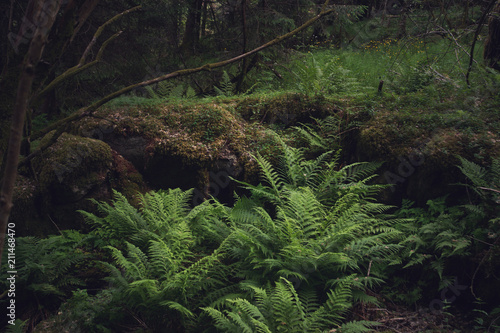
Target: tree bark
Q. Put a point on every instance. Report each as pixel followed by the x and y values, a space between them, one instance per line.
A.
pixel 476 34
pixel 43 17
pixel 244 66
pixel 192 30
pixel 491 53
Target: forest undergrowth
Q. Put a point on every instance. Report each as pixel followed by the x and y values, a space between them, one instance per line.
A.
pixel 308 249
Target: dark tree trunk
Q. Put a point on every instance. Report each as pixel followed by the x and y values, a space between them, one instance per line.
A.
pixel 492 45
pixel 192 28
pixel 43 15
pixel 244 66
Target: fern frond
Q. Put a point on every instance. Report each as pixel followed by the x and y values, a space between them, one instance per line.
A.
pixel 226 87
pixel 359 326
pixel 182 310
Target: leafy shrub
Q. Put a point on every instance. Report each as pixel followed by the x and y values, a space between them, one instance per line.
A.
pixel 438 234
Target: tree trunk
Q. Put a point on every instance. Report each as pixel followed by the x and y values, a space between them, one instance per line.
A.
pixel 244 66
pixel 492 45
pixel 204 17
pixel 43 16
pixel 192 28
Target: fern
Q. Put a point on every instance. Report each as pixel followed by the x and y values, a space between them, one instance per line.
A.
pixel 311 77
pixel 486 183
pixel 358 326
pixel 121 220
pixel 308 227
pixel 325 134
pixel 168 90
pixel 18 327
pixel 226 87
pixel 281 309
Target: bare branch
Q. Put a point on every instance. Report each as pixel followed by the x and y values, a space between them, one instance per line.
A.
pixel 101 29
pixel 80 67
pixel 70 72
pixel 183 72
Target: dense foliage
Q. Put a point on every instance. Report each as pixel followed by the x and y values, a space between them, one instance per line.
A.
pixel 313 246
pixel 293 255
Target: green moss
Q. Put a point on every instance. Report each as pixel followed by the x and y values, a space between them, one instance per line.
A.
pixel 386 127
pixel 71 158
pixel 287 108
pixel 198 133
pixel 398 128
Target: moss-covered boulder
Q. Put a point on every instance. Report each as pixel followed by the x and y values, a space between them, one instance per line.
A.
pixel 72 167
pixel 199 145
pixel 420 149
pixel 287 109
pixel 68 173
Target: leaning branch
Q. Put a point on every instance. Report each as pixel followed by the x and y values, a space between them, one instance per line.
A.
pixel 70 72
pixel 101 29
pixel 183 72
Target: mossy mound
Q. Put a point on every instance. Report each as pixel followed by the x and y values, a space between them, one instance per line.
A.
pixel 285 109
pixel 68 172
pixel 71 167
pixel 421 147
pixel 179 145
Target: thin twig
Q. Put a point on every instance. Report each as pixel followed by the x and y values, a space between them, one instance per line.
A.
pixel 488 189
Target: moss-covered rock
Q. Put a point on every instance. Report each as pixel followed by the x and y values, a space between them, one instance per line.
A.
pixel 421 149
pixel 174 145
pixel 202 144
pixel 72 167
pixel 285 109
pixel 68 173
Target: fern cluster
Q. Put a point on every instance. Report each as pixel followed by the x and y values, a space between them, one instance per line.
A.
pixel 310 230
pixel 292 255
pixel 312 77
pixel 47 271
pixel 168 90
pixel 283 309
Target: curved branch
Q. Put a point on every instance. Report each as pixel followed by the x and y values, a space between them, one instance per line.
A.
pixel 70 72
pixel 208 67
pixel 101 29
pixel 80 67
